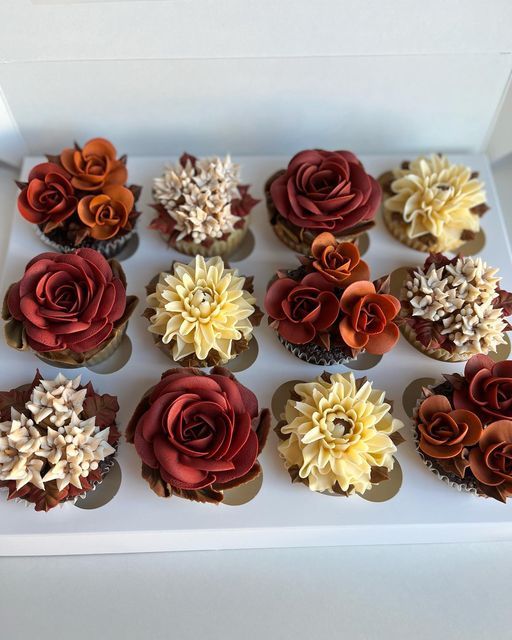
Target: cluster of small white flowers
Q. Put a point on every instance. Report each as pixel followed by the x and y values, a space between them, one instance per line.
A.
pixel 198 197
pixel 460 297
pixel 72 449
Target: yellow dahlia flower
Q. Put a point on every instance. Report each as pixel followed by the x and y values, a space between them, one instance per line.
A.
pixel 339 429
pixel 435 196
pixel 201 307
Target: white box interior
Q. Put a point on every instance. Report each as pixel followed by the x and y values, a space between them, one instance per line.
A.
pixel 281 514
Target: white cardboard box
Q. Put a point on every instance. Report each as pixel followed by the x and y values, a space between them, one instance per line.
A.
pixel 281 514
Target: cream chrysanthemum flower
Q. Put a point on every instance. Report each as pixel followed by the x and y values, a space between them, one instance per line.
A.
pixel 435 197
pixel 201 307
pixel 338 431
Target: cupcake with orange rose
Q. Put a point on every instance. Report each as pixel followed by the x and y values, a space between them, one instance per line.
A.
pixel 321 191
pixel 80 199
pixel 69 308
pixel 463 428
pixel 328 311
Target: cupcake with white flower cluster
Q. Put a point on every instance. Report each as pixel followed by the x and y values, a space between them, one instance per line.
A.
pixel 338 434
pixel 202 207
pixel 58 439
pixel 453 309
pixel 432 204
pixel 202 314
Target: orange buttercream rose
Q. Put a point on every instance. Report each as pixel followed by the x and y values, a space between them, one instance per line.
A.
pixel 108 212
pixel 94 166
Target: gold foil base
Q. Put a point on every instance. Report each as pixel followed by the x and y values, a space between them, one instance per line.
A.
pixel 399 231
pixel 217 248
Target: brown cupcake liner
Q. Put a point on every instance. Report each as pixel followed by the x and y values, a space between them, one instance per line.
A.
pixel 107 248
pixel 217 247
pixel 315 354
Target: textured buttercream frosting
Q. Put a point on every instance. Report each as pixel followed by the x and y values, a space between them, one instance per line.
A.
pixel 201 307
pixel 436 197
pixel 198 196
pixel 460 298
pixel 68 450
pixel 338 430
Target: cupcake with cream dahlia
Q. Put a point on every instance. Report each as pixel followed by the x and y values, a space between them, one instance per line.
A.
pixel 202 207
pixel 454 308
pixel 203 313
pixel 328 311
pixel 58 439
pixel 80 199
pixel 433 205
pixel 321 191
pixel 70 308
pixel 463 428
pixel 338 435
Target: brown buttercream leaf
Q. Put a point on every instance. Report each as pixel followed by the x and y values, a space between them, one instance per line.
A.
pixel 480 209
pixel 396 438
pixel 206 495
pixel 15 335
pixel 467 235
pixel 379 474
pixel 153 478
pixel 254 472
pixel 326 377
pixel 382 285
pixel 117 270
pixel 103 407
pixel 53 159
pixel 325 340
pixel 263 428
pixel 149 312
pixel 278 432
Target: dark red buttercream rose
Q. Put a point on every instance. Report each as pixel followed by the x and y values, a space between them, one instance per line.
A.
pixel 67 301
pixel 491 460
pixel 48 197
pixel 486 388
pixel 326 191
pixel 301 310
pixel 196 431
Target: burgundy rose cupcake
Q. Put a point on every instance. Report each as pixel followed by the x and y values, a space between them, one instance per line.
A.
pixel 463 428
pixel 328 311
pixel 79 199
pixel 70 308
pixel 58 440
pixel 198 434
pixel 321 191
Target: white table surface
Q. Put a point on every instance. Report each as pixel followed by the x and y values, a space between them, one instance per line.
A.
pixel 354 593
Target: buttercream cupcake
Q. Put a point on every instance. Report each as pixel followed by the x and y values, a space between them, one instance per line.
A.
pixel 321 191
pixel 463 428
pixel 79 199
pixel 202 313
pixel 328 311
pixel 70 308
pixel 198 434
pixel 58 439
pixel 454 308
pixel 433 205
pixel 338 435
pixel 202 207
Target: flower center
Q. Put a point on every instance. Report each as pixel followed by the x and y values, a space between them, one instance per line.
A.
pixel 341 426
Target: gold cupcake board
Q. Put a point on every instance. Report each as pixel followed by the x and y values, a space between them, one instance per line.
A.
pixel 123 515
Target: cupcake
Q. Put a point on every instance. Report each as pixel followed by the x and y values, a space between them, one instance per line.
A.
pixel 321 191
pixel 338 435
pixel 79 199
pixel 454 308
pixel 202 207
pixel 328 311
pixel 202 314
pixel 433 205
pixel 70 308
pixel 463 428
pixel 198 434
pixel 58 439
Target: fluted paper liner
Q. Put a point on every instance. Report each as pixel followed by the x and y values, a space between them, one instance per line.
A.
pixel 217 247
pixel 107 248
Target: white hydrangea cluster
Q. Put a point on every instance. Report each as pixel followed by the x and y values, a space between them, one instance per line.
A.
pixel 460 297
pixel 198 196
pixel 67 452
